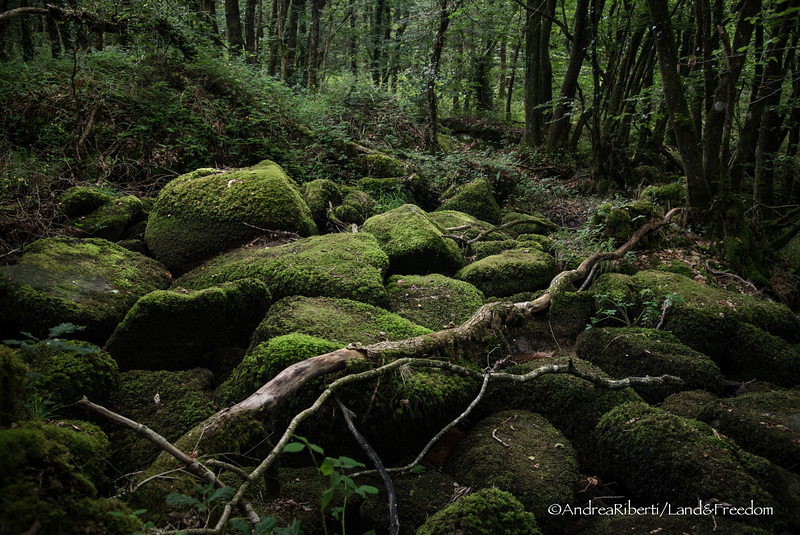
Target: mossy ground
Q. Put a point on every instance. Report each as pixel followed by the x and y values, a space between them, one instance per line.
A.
pixel 205 212
pixel 349 266
pixel 89 282
pixel 413 242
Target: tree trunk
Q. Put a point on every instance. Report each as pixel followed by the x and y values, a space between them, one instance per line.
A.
pixel 250 29
pixel 534 121
pixel 313 45
pixel 432 130
pixel 698 193
pixel 233 26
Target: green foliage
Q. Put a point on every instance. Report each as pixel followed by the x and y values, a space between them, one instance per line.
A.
pixel 641 312
pixel 53 341
pixel 339 483
pixel 134 515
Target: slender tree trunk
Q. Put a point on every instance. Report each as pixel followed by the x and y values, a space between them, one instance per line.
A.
pixel 698 193
pixel 250 29
pixel 313 45
pixel 534 120
pixel 559 129
pixel 233 26
pixel 291 40
pixel 511 79
pixel 432 131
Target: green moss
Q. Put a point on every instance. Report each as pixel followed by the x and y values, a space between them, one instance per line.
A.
pixel 349 266
pixel 667 196
pixel 201 214
pixel 485 512
pixel 540 467
pixel 110 220
pixel 339 320
pixel 510 272
pixel 378 164
pixel 179 329
pixel 689 404
pixel 184 400
pixel 475 199
pixel 763 423
pixel 661 457
pixel 66 376
pixel 81 200
pixel 433 301
pixel 13 378
pixel 356 207
pixel 413 242
pixel 89 282
pixel 636 352
pixel 50 475
pixel 319 195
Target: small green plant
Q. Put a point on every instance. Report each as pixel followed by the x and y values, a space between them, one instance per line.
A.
pixel 643 313
pixel 146 526
pixel 267 525
pixel 339 482
pixel 41 407
pixel 53 340
pixel 211 499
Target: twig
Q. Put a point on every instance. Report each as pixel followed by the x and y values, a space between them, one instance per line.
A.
pixel 494 436
pixel 394 519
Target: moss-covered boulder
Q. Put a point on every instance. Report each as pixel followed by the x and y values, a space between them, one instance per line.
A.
pixel 747 337
pixel 88 282
pixel 453 219
pixel 356 207
pixel 413 242
pixel 660 457
pixel 522 453
pixel 433 301
pixel 111 220
pixel 207 211
pixel 350 266
pixel 180 329
pixel 485 512
pixel 52 475
pixel 528 224
pixel 63 373
pixel 339 320
pixel 564 321
pixel 667 196
pixel 689 403
pixel 572 405
pixel 619 222
pixel 518 270
pixel 13 379
pixel 82 200
pixel 763 423
pixel 482 249
pixel 475 199
pixel 184 399
pixel 634 352
pixel 381 165
pixel 320 195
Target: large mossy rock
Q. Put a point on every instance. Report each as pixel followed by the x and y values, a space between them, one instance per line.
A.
pixel 748 338
pixel 535 462
pixel 65 372
pixel 763 423
pixel 111 220
pixel 13 380
pixel 527 224
pixel 180 329
pixel 357 206
pixel 572 405
pixel 342 321
pixel 486 512
pixel 320 195
pixel 660 457
pixel 634 352
pixel 433 301
pixel 475 199
pixel 184 399
pixel 202 213
pixel 82 200
pixel 414 242
pixel 87 282
pixel 52 475
pixel 510 272
pixel 350 266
